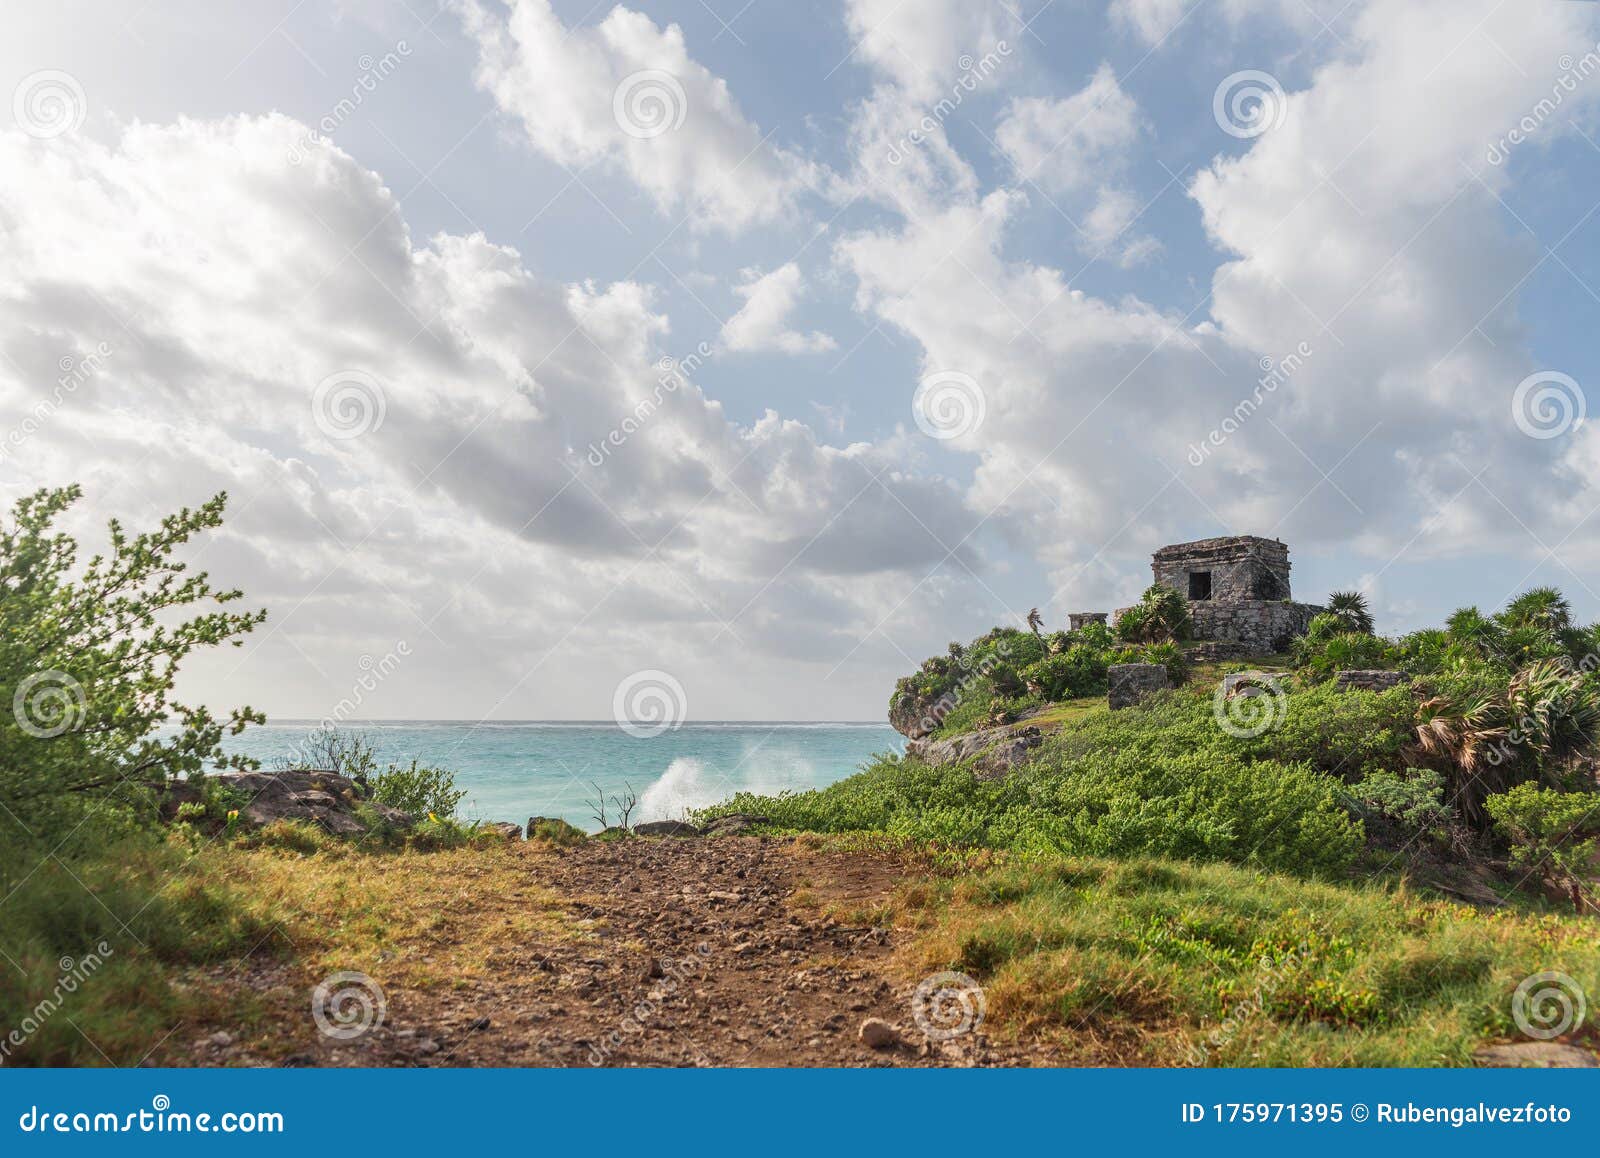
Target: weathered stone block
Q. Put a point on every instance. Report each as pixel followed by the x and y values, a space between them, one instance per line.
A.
pixel 1129 683
pixel 1369 680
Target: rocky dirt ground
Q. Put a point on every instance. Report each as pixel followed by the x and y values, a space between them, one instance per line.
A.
pixel 733 951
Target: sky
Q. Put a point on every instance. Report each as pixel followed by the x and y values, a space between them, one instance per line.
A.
pixel 733 357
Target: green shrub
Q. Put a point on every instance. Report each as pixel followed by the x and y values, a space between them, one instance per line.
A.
pixel 1414 799
pixel 420 789
pixel 88 656
pixel 1551 831
pixel 1329 646
pixel 1187 803
pixel 555 831
pixel 1077 671
pixel 1161 614
pixel 416 788
pixel 1167 653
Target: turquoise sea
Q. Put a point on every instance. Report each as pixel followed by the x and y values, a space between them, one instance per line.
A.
pixel 516 769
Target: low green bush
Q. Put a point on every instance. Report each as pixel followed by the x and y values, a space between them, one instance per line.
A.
pixel 1549 831
pixel 423 790
pixel 1413 799
pixel 420 789
pixel 1197 805
pixel 555 831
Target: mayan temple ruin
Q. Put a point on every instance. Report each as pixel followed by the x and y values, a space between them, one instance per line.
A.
pixel 1238 593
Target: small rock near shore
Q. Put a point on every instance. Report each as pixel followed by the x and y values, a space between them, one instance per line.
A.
pixel 878 1033
pixel 665 828
pixel 733 824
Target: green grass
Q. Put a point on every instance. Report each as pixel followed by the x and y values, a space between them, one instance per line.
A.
pixel 1166 963
pixel 1067 712
pixel 90 950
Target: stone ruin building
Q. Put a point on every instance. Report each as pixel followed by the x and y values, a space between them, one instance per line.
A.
pixel 1238 593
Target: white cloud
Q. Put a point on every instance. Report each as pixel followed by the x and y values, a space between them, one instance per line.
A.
pixel 626 94
pixel 490 520
pixel 1067 145
pixel 1076 151
pixel 1357 227
pixel 920 46
pixel 1160 21
pixel 762 322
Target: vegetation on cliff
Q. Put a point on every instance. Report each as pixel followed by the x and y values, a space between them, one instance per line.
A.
pixel 1485 754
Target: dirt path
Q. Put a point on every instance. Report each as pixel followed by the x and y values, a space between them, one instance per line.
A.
pixel 684 952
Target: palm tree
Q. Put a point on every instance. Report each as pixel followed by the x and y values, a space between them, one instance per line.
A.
pixel 1476 631
pixel 1546 717
pixel 1540 607
pixel 1035 623
pixel 1161 614
pixel 1352 610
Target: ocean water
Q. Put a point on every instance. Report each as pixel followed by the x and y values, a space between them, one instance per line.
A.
pixel 514 770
